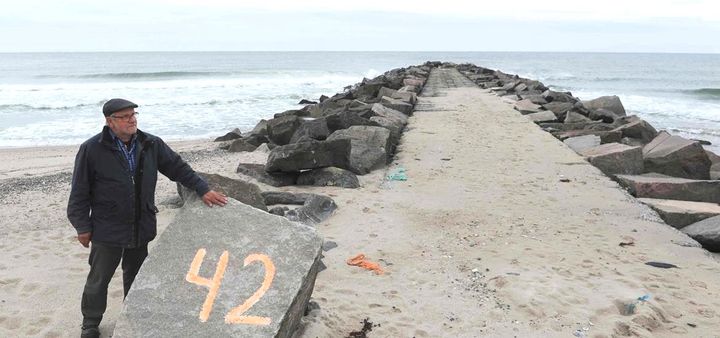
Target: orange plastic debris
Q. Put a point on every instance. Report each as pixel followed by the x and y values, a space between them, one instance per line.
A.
pixel 360 261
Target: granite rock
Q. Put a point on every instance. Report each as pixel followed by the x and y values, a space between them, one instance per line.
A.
pixel 209 261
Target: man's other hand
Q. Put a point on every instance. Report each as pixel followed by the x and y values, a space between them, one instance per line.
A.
pixel 84 238
pixel 214 198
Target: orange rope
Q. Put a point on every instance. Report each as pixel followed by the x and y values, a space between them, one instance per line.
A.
pixel 360 261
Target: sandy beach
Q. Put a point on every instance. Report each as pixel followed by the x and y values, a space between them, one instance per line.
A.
pixel 483 239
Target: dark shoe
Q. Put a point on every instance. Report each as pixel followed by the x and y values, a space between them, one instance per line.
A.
pixel 90 332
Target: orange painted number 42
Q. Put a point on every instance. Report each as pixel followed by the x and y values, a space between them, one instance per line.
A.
pixel 236 315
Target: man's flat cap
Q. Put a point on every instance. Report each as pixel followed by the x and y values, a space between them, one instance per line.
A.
pixel 114 105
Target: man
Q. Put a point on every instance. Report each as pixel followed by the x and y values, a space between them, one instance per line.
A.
pixel 112 201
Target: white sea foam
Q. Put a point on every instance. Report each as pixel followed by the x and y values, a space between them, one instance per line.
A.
pixel 191 95
pixel 68 113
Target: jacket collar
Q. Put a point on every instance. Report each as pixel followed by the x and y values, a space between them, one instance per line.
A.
pixel 107 137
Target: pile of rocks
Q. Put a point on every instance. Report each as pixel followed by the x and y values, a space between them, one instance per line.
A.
pixel 330 142
pixel 673 175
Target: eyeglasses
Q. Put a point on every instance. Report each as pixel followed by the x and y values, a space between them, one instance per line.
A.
pixel 126 118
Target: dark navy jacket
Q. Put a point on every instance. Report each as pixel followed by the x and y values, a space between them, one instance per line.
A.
pixel 118 207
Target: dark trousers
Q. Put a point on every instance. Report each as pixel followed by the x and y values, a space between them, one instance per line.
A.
pixel 103 262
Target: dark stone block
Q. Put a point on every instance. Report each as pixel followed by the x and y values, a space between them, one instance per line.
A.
pixel 239 190
pixel 309 155
pixel 234 134
pixel 329 177
pixel 257 171
pixel 281 129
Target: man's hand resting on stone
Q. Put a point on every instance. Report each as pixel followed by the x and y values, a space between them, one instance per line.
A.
pixel 214 198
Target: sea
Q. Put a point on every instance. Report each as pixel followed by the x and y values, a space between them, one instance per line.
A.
pixel 56 98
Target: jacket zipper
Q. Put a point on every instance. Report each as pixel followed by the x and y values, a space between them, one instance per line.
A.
pixel 138 192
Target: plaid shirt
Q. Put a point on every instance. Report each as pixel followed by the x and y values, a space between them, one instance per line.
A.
pixel 129 154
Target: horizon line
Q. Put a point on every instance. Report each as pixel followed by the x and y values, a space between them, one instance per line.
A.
pixel 354 51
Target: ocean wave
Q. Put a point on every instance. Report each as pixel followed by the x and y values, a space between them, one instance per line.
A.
pixel 558 77
pixel 697 131
pixel 137 75
pixel 190 74
pixel 25 107
pixel 709 93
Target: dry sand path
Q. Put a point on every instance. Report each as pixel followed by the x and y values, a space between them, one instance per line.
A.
pixel 484 240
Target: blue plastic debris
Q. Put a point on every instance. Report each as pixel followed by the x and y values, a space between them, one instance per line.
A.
pixel 397 175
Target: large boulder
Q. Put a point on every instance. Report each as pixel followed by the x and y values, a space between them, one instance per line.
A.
pixel 603 114
pixel 209 262
pixel 347 119
pixel 243 192
pixel 559 126
pixel 676 156
pixel 575 117
pixel 330 106
pixel 281 129
pixel 276 179
pixel 310 155
pixel 404 96
pixel 638 129
pixel 508 86
pixel 671 188
pixel 260 128
pixel 553 96
pixel 335 177
pixel 580 143
pixel 294 112
pixel 414 81
pixel 611 103
pixel 605 136
pixel 715 166
pixel 390 119
pixel 368 89
pixel 410 89
pixel 394 126
pixel 234 134
pixel 615 158
pixel 311 129
pixel 387 112
pixel 396 104
pixel 534 98
pixel 542 117
pixel 706 232
pixel 384 91
pixel 526 106
pixel 682 213
pixel 241 145
pixel 371 147
pixel 559 108
pixel 520 87
pixel 314 208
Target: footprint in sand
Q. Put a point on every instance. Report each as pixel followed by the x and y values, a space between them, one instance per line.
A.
pixel 52 334
pixel 707 313
pixel 9 283
pixel 33 331
pixel 11 323
pixel 698 284
pixel 29 288
pixel 420 333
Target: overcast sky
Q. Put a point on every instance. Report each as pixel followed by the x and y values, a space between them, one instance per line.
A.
pixel 370 25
